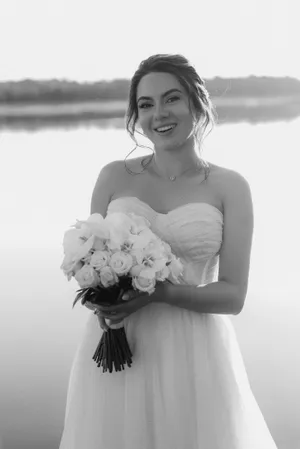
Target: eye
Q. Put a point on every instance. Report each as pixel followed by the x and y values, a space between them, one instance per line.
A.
pixel 144 105
pixel 174 98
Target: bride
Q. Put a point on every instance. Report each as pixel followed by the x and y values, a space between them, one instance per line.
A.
pixel 187 387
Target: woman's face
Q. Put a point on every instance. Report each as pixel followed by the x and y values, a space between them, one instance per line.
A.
pixel 163 111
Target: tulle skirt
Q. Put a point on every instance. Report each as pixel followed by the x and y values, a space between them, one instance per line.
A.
pixel 186 389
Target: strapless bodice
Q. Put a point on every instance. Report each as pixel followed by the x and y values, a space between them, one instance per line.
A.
pixel 193 230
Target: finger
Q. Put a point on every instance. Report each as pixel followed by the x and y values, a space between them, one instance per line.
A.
pixel 130 294
pixel 103 324
pixel 105 308
pixel 126 296
pixel 104 315
pixel 107 314
pixel 89 305
pixel 112 309
pixel 101 313
pixel 117 317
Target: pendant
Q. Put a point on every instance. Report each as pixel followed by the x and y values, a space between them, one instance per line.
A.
pixel 172 178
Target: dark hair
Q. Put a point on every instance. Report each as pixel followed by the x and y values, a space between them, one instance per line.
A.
pixel 189 79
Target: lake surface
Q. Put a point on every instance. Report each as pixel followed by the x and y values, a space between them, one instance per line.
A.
pixel 46 181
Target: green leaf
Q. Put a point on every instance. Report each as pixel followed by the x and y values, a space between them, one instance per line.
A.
pixel 80 295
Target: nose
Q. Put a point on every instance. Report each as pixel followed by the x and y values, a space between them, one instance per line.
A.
pixel 160 112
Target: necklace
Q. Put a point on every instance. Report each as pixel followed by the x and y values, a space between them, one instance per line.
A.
pixel 198 168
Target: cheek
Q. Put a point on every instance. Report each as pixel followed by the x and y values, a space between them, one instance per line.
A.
pixel 188 121
pixel 144 124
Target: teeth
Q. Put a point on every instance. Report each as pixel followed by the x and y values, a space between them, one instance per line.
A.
pixel 165 128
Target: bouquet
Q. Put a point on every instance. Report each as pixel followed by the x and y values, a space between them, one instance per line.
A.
pixel 108 256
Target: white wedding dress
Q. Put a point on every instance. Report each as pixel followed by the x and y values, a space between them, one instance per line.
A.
pixel 187 387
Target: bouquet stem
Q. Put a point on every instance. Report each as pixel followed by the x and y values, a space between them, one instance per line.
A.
pixel 113 351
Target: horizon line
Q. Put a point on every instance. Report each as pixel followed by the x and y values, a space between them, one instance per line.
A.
pixel 85 81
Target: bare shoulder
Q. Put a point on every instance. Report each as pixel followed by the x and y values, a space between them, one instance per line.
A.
pixel 231 184
pixel 231 177
pixel 108 176
pixel 105 186
pixel 113 178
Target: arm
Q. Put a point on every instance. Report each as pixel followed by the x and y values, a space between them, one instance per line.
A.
pixel 227 296
pixel 217 297
pixel 104 188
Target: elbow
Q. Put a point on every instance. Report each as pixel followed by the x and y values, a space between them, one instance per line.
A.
pixel 238 301
pixel 238 307
pixel 235 295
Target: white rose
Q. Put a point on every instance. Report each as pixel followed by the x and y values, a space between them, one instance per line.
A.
pixel 136 269
pixel 108 277
pixel 87 277
pixel 121 263
pixel 163 274
pixel 145 281
pixel 99 259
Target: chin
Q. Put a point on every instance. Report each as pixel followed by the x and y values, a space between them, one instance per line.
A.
pixel 169 145
pixel 175 146
pixel 165 147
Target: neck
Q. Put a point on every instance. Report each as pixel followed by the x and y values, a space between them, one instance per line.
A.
pixel 174 163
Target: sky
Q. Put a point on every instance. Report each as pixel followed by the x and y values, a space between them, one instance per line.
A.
pixel 88 40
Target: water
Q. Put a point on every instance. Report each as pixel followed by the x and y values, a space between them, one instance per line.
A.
pixel 46 181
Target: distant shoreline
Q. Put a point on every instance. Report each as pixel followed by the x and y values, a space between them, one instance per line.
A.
pixel 102 114
pixel 108 109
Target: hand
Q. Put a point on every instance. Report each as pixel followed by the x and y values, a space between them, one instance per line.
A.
pixel 132 301
pixel 116 313
pixel 101 319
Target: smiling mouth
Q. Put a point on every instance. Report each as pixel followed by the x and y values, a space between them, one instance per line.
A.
pixel 165 129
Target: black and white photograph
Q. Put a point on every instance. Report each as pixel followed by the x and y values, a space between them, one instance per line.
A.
pixel 150 224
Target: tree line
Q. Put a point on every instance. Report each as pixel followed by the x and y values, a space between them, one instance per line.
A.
pixel 62 91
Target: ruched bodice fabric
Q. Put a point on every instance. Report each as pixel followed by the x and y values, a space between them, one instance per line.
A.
pixel 187 387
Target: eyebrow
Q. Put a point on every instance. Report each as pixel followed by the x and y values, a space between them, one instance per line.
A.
pixel 163 95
